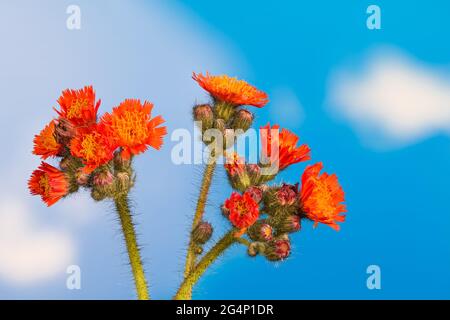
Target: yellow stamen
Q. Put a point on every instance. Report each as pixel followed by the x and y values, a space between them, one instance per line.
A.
pixel 76 107
pixel 132 127
pixel 89 147
pixel 44 184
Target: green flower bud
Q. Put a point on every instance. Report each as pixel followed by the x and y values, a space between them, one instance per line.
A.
pixel 202 232
pixel 278 250
pixel 242 120
pixel 203 113
pixel 260 231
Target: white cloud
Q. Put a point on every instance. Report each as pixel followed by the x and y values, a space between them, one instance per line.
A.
pixel 29 253
pixel 392 100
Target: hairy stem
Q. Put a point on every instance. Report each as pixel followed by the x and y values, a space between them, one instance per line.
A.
pixel 191 256
pixel 185 290
pixel 123 209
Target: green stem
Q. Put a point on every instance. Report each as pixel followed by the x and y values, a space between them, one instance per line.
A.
pixel 191 256
pixel 185 290
pixel 123 210
pixel 243 241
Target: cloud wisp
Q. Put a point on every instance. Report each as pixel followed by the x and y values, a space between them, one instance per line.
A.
pixel 392 100
pixel 29 253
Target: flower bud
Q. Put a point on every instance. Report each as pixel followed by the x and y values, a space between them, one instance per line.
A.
pixel 290 224
pixel 242 120
pixel 103 178
pixel 82 178
pixel 123 182
pixel 103 185
pixel 64 131
pixel 204 114
pixel 202 232
pixel 287 195
pixel 277 250
pixel 281 201
pixel 255 248
pixel 236 171
pixel 256 193
pixel 220 125
pixel 260 231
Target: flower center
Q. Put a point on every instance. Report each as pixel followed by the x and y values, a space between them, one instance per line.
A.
pixel 44 184
pixel 266 232
pixel 131 127
pixel 89 147
pixel 76 107
pixel 241 208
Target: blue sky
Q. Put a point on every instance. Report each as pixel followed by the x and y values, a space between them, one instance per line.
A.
pixel 373 105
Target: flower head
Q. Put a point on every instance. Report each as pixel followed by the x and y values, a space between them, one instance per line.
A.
pixel 65 130
pixel 291 223
pixel 321 197
pixel 242 120
pixel 234 165
pixel 287 195
pixel 131 126
pixel 231 90
pixel 93 147
pixel 203 113
pixel 260 231
pixel 49 183
pixel 45 144
pixel 202 232
pixel 256 192
pixel 243 210
pixel 278 250
pixel 103 178
pixel 288 152
pixel 79 106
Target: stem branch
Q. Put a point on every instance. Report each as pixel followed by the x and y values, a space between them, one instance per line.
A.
pixel 204 189
pixel 185 290
pixel 123 210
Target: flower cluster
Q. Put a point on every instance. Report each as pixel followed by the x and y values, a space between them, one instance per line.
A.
pixel 93 152
pixel 269 213
pixel 226 112
pixel 265 213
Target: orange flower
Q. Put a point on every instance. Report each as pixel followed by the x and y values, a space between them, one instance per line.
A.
pixel 79 106
pixel 132 127
pixel 45 144
pixel 48 182
pixel 288 152
pixel 231 90
pixel 321 197
pixel 243 210
pixel 94 147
